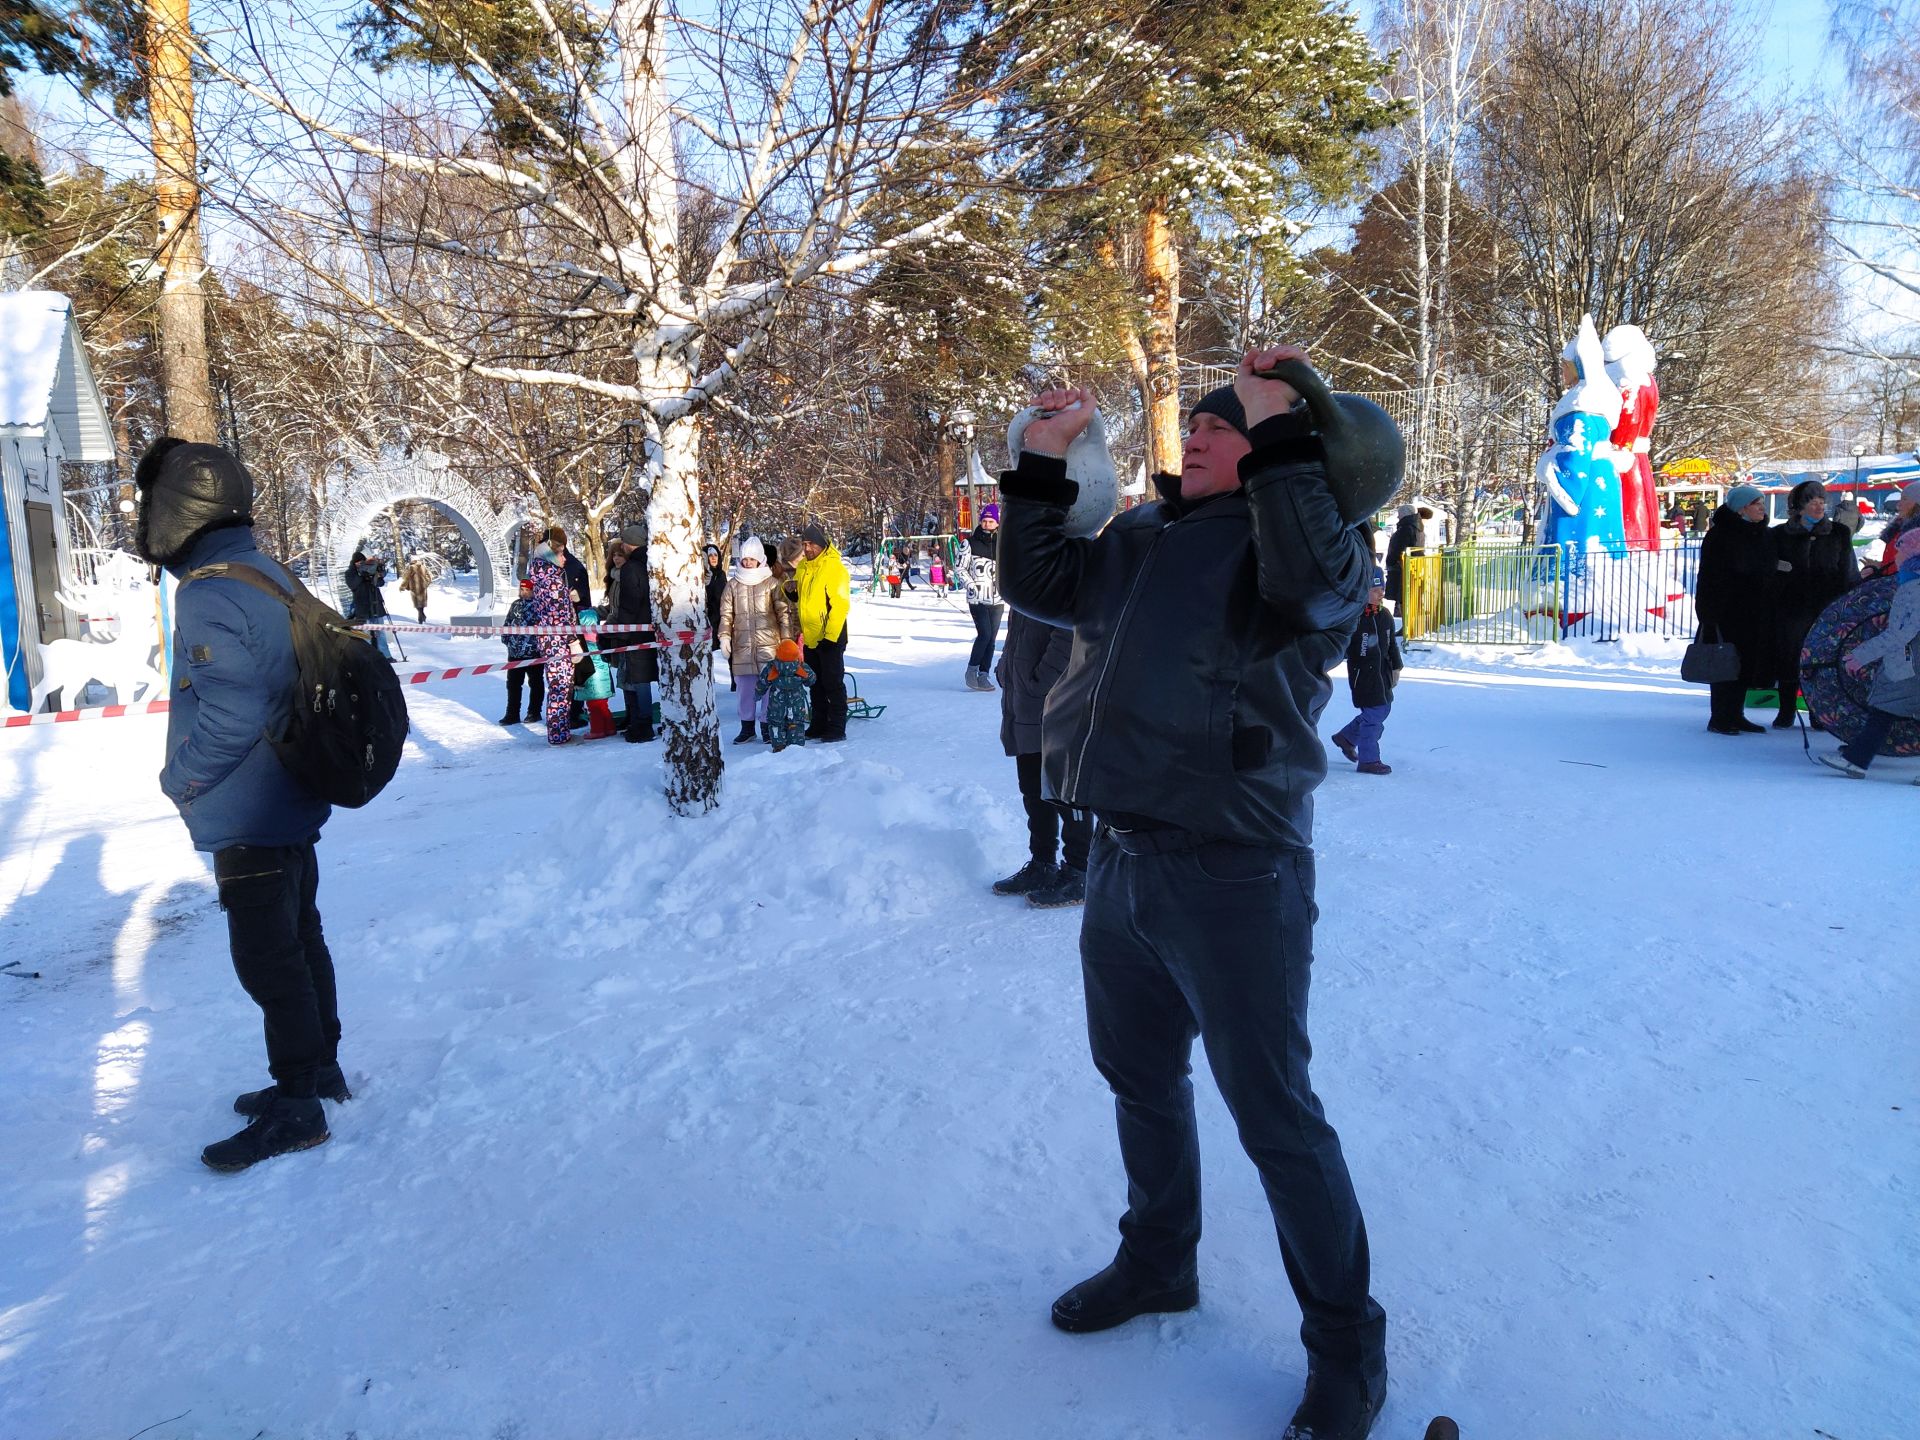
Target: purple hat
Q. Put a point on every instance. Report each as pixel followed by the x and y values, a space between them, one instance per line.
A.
pixel 990 512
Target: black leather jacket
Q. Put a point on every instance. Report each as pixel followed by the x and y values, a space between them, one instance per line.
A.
pixel 1202 637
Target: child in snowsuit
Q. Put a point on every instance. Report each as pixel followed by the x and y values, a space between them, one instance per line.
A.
pixel 550 606
pixel 1373 660
pixel 788 683
pixel 524 647
pixel 597 693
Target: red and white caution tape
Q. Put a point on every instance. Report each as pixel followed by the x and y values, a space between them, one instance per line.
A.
pixel 681 637
pixel 98 712
pixel 161 707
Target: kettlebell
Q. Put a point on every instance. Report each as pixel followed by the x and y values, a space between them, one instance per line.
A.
pixel 1089 465
pixel 1366 456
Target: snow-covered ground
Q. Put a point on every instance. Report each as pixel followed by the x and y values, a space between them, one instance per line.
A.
pixel 777 1124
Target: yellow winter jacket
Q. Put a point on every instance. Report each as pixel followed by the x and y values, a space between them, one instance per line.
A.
pixel 826 590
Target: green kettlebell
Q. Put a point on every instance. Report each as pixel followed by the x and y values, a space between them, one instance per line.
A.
pixel 1366 456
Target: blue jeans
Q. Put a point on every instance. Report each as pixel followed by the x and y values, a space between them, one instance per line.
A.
pixel 1183 937
pixel 1364 730
pixel 986 630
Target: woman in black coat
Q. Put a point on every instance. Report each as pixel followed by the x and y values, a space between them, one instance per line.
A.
pixel 1816 566
pixel 1734 599
pixel 716 561
pixel 636 670
pixel 1407 535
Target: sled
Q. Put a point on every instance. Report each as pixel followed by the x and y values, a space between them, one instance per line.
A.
pixel 859 709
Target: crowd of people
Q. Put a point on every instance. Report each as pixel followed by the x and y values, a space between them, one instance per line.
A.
pixel 1761 588
pixel 777 618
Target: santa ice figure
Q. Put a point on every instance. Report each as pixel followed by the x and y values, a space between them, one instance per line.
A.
pixel 1577 472
pixel 1630 365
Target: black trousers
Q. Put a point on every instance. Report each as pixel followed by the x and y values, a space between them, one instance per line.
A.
pixel 1872 736
pixel 534 679
pixel 986 630
pixel 1728 702
pixel 280 955
pixel 1793 639
pixel 1048 826
pixel 828 661
pixel 1182 938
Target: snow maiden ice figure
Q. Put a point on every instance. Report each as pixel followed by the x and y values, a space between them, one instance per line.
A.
pixel 1583 509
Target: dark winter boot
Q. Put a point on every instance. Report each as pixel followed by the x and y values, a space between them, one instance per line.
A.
pixel 329 1084
pixel 1032 876
pixel 747 733
pixel 1374 767
pixel 1345 746
pixel 1338 1406
pixel 512 717
pixel 1747 727
pixel 1069 888
pixel 1112 1298
pixel 1785 719
pixel 286 1126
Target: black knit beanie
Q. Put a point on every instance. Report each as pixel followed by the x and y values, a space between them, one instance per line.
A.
pixel 1224 403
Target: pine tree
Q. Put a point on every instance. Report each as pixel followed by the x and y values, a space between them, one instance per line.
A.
pixel 1189 119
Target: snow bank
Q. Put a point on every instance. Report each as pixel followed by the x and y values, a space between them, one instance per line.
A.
pixel 776 1124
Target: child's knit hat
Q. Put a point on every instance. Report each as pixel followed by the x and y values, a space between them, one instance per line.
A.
pixel 788 651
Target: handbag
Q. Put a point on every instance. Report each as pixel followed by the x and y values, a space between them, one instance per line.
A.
pixel 1710 662
pixel 582 672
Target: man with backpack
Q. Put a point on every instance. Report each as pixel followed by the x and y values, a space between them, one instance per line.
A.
pixel 236 680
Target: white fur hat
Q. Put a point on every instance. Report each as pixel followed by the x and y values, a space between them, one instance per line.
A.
pixel 752 546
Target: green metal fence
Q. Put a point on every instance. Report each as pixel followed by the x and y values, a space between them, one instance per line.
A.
pixel 1482 595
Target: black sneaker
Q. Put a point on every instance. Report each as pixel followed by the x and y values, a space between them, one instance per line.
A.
pixel 286 1126
pixel 1032 876
pixel 1338 1406
pixel 1112 1298
pixel 1069 887
pixel 329 1084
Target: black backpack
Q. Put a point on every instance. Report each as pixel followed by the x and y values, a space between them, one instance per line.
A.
pixel 349 720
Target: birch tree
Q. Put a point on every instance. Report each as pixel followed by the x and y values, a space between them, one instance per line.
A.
pixel 586 128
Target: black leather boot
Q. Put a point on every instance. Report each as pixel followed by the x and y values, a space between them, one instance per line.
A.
pixel 1338 1406
pixel 1113 1297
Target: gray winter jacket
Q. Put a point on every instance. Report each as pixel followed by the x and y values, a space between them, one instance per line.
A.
pixel 1034 657
pixel 1896 688
pixel 1202 637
